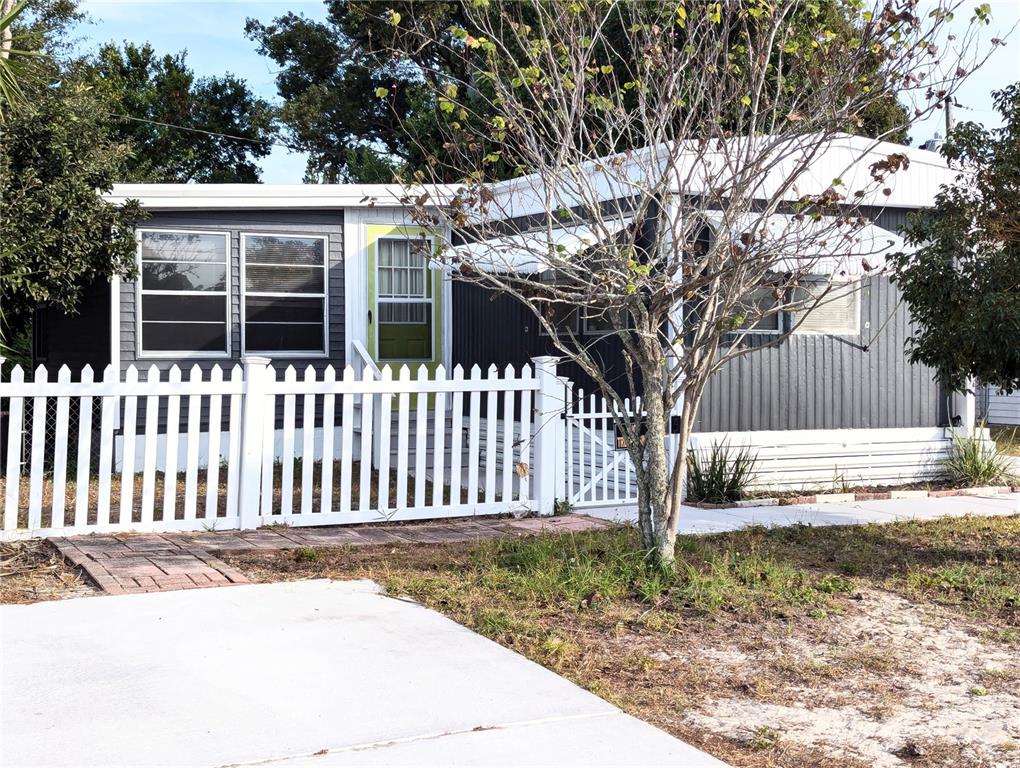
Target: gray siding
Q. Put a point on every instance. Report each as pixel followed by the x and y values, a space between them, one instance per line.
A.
pixel 329 223
pixel 815 381
pixel 812 381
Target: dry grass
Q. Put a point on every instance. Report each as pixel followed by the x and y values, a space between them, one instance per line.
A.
pixel 791 647
pixel 33 570
pixel 201 486
pixel 1007 438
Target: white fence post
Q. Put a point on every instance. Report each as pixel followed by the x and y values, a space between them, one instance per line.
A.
pixel 252 432
pixel 566 389
pixel 548 408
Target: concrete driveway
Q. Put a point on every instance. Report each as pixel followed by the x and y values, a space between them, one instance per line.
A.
pixel 313 673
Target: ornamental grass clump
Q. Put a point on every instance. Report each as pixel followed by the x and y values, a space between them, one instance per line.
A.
pixel 974 461
pixel 720 475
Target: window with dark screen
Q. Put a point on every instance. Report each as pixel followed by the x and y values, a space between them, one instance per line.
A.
pixel 184 304
pixel 284 296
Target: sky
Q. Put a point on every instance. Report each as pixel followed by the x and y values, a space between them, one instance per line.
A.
pixel 212 31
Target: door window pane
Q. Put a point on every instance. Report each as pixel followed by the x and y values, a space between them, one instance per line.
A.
pixel 402 269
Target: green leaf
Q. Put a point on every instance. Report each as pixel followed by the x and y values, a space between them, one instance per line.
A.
pixel 382 93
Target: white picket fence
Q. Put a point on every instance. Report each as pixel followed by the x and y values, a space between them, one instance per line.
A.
pixel 246 447
pixel 252 446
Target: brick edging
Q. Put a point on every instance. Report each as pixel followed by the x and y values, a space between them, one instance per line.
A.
pixel 847 498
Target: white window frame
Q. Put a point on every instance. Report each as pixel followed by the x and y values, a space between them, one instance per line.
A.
pixel 430 300
pixel 140 352
pixel 856 293
pixel 324 353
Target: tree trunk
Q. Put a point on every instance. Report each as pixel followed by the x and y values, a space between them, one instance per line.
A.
pixel 654 491
pixel 679 469
pixel 7 38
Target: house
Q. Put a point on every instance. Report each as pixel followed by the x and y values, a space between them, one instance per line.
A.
pixel 996 407
pixel 318 275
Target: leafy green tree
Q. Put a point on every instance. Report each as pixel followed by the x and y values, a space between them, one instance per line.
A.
pixel 228 129
pixel 963 284
pixel 359 89
pixel 58 152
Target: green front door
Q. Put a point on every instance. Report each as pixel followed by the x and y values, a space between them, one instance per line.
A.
pixel 404 297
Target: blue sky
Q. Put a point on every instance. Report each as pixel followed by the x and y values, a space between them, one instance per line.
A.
pixel 213 34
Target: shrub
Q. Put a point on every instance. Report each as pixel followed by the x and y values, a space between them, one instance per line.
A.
pixel 974 460
pixel 719 477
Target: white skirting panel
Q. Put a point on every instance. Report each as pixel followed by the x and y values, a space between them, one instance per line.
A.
pixel 830 459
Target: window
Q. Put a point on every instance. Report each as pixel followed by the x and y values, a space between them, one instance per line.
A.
pixel 284 301
pixel 562 317
pixel 837 312
pixel 598 322
pixel 404 299
pixel 750 314
pixel 183 293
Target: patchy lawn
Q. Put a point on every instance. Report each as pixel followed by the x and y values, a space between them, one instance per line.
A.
pixel 33 570
pixel 891 645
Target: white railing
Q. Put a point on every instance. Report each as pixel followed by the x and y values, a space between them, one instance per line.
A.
pixel 364 359
pixel 250 447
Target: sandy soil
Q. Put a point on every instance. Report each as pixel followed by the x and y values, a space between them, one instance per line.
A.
pixel 916 685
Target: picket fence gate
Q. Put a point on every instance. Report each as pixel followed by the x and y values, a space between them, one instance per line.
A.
pixel 597 474
pixel 244 448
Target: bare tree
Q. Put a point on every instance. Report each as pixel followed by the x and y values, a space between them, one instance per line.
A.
pixel 688 178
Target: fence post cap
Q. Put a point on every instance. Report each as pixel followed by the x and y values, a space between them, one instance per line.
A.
pixel 255 360
pixel 545 360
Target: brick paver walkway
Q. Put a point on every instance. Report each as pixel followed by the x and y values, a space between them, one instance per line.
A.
pixel 149 562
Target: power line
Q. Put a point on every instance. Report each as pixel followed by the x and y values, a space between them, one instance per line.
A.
pixel 269 142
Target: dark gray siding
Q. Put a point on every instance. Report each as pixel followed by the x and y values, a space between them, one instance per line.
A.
pixel 329 223
pixel 809 381
pixel 812 381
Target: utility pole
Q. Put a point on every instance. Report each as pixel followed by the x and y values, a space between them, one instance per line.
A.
pixel 949 115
